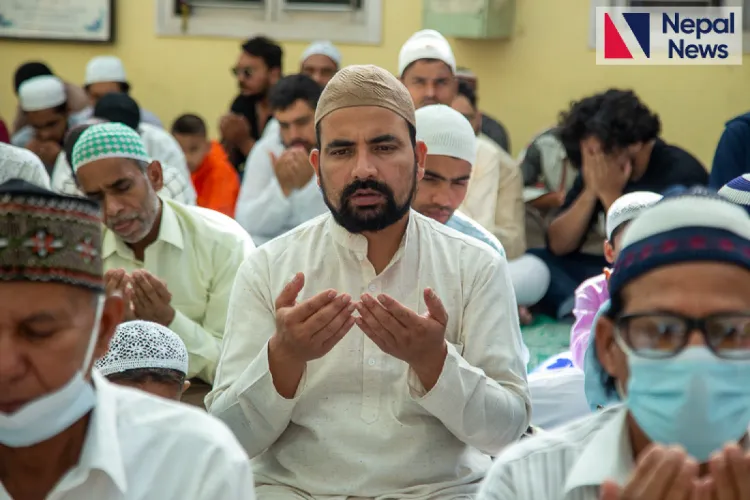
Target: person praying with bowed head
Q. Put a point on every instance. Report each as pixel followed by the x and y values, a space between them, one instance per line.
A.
pixel 371 352
pixel 673 346
pixel 66 433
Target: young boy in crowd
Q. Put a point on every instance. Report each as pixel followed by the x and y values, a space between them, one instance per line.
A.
pixel 592 293
pixel 146 356
pixel 215 179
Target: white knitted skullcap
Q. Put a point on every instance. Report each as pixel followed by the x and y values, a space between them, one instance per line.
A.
pixel 18 163
pixel 105 69
pixel 627 207
pixel 426 44
pixel 41 92
pixel 322 48
pixel 143 344
pixel 446 132
pixel 737 190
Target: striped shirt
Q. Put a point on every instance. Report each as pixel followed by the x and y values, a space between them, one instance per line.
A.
pixel 569 463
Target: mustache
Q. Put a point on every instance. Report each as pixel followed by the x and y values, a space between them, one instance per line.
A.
pixel 113 221
pixel 370 184
pixel 440 208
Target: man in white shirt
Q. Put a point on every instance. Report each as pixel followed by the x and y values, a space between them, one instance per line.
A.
pixel 281 193
pixel 175 263
pixel 390 366
pixel 44 103
pixel 674 343
pixel 65 432
pixel 495 194
pixel 106 75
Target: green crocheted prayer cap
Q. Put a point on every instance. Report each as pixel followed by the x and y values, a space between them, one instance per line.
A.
pixel 108 140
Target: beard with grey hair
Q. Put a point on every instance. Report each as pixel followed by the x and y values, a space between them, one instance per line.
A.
pixel 145 218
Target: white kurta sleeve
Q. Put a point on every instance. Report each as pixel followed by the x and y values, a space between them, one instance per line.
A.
pixel 226 473
pixel 262 209
pixel 244 396
pixel 482 394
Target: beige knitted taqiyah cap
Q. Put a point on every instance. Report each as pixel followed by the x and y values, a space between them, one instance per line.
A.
pixel 365 85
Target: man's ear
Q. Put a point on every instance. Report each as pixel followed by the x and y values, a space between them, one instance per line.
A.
pixel 112 314
pixel 315 162
pixel 609 252
pixel 155 175
pixel 607 351
pixel 420 152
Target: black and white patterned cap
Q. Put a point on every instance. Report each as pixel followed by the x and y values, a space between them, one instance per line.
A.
pixel 143 344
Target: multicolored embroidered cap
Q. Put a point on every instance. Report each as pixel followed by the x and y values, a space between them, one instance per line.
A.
pixel 108 140
pixel 47 237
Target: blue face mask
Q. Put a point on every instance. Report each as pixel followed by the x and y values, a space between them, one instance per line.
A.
pixel 695 400
pixel 52 413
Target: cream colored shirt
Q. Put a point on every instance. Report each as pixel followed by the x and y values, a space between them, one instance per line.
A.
pixel 494 197
pixel 197 253
pixel 361 423
pixel 141 447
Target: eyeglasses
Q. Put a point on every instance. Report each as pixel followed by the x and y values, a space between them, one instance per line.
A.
pixel 664 335
pixel 242 72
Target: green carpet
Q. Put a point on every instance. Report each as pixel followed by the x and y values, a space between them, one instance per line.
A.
pixel 545 337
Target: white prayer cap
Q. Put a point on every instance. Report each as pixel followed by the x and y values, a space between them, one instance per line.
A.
pixel 41 92
pixel 627 207
pixel 425 44
pixel 143 344
pixel 446 132
pixel 19 163
pixel 105 69
pixel 322 48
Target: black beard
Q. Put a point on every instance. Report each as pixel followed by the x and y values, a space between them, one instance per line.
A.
pixel 357 220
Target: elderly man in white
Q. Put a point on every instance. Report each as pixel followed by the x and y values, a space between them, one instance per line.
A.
pixel 391 365
pixel 65 432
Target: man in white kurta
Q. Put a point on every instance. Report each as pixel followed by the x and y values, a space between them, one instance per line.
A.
pixel 361 423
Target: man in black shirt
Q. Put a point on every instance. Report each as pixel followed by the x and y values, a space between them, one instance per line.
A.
pixel 258 68
pixel 613 139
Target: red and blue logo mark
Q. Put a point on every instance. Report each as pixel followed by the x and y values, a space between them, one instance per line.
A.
pixel 615 46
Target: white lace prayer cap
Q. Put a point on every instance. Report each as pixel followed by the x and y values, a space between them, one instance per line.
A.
pixel 143 344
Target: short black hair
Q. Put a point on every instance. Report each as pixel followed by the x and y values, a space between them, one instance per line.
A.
pixel 70 140
pixel 616 117
pixel 465 90
pixel 266 49
pixel 29 70
pixel 189 124
pixel 292 88
pixel 412 135
pixel 137 376
pixel 119 108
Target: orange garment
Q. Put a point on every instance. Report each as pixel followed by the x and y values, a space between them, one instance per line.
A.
pixel 216 181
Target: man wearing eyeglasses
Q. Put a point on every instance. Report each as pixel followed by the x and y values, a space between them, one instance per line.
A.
pixel 676 342
pixel 258 68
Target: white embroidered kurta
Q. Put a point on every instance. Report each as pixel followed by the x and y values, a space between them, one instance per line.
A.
pixel 141 447
pixel 361 423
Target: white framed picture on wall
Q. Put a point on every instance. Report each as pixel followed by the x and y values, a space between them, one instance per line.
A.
pixel 84 21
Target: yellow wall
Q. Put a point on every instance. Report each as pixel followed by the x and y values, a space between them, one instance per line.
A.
pixel 524 81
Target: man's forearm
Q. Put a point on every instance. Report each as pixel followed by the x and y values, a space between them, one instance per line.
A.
pixel 569 228
pixel 286 372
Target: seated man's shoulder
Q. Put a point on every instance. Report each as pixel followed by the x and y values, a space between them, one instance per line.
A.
pixel 455 244
pixel 146 420
pixel 469 227
pixel 563 444
pixel 207 223
pixel 307 235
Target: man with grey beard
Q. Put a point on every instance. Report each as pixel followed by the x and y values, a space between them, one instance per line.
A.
pixel 174 264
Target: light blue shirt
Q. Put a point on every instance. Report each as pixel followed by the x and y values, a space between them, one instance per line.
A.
pixel 463 224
